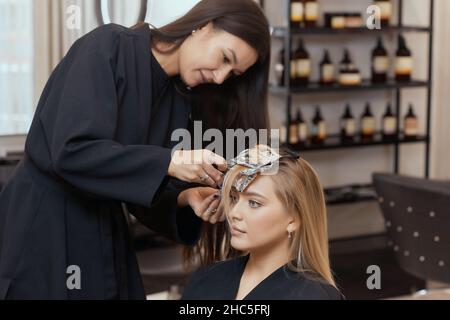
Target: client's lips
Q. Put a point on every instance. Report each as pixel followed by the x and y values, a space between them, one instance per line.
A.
pixel 236 230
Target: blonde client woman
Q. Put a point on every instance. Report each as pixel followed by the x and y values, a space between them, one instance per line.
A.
pixel 275 243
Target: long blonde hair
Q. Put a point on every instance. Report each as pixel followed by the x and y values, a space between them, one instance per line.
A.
pixel 300 191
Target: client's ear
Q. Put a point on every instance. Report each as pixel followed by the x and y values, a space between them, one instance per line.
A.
pixel 293 226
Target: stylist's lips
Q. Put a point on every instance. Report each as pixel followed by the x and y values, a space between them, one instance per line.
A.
pixel 236 231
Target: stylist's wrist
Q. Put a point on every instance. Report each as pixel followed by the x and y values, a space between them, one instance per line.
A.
pixel 197 166
pixel 171 170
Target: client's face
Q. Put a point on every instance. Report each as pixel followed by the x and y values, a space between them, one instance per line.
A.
pixel 258 220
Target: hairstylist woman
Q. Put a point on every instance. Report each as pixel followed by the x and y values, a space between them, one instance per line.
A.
pixel 101 136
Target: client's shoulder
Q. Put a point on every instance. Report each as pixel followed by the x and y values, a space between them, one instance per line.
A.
pixel 305 285
pixel 215 281
pixel 212 270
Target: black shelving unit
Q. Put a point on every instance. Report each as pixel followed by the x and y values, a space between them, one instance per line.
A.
pixel 366 85
pixel 332 143
pixel 280 32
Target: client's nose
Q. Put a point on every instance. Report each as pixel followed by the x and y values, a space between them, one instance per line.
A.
pixel 236 212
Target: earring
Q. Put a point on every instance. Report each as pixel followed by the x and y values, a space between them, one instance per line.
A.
pixel 289 234
pixel 193 32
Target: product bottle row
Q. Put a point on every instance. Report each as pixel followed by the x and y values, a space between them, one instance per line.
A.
pixel 306 13
pixel 363 129
pixel 347 73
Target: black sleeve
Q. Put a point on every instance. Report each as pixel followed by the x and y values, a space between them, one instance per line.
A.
pixel 165 217
pixel 81 144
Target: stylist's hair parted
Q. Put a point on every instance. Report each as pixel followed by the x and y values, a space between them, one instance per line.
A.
pixel 241 101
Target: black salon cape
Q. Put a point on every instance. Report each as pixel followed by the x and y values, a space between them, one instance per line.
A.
pixel 220 281
pixel 93 146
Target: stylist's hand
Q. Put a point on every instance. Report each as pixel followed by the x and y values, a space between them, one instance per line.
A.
pixel 197 166
pixel 204 202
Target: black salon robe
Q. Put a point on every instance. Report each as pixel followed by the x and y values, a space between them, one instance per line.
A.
pixel 100 138
pixel 221 281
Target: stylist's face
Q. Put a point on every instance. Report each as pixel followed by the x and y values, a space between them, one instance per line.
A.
pixel 258 220
pixel 212 56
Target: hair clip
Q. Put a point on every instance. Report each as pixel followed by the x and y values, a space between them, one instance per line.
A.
pixel 293 154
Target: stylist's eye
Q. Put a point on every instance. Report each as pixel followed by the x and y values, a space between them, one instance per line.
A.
pixel 232 74
pixel 225 59
pixel 253 204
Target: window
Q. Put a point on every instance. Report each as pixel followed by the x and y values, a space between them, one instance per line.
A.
pixel 16 66
pixel 160 13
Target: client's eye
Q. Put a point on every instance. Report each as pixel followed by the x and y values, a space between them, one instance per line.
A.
pixel 254 204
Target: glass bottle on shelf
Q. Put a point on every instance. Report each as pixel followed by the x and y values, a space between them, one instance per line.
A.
pixel 385 11
pixel 293 132
pixel 349 75
pixel 346 61
pixel 326 70
pixel 347 126
pixel 367 125
pixel 303 65
pixel 297 13
pixel 380 63
pixel 335 20
pixel 302 128
pixel 311 13
pixel 318 128
pixel 354 20
pixel 280 68
pixel 404 61
pixel 283 133
pixel 389 125
pixel 411 126
pixel 293 71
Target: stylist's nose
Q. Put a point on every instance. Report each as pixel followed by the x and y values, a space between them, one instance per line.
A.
pixel 220 75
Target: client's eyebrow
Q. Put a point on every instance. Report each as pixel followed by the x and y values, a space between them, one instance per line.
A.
pixel 254 194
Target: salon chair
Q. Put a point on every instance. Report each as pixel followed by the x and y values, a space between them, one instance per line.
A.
pixel 417 218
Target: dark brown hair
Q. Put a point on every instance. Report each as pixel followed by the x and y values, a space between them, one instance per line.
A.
pixel 240 102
